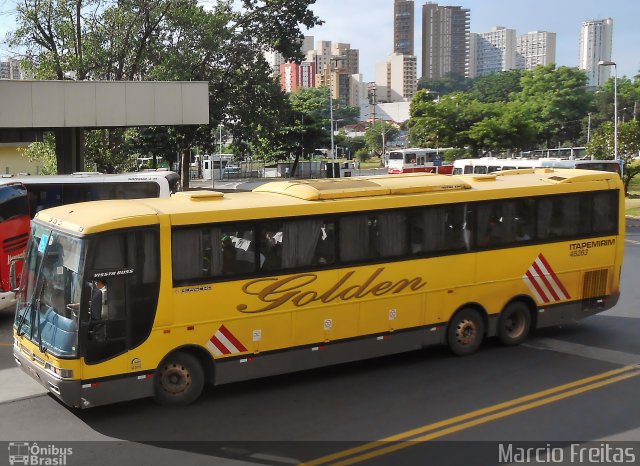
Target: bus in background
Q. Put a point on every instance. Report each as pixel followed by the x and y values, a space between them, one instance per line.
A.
pixel 485 165
pixel 417 161
pixel 54 190
pixel 14 232
pixel 211 287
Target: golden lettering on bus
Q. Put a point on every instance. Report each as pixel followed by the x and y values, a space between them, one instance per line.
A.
pixel 275 292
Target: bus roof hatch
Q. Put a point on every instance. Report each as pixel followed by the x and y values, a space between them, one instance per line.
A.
pixel 316 190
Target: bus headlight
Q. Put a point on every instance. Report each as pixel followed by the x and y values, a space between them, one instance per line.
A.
pixel 58 372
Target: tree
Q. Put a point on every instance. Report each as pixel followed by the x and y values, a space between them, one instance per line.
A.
pixel 173 40
pixel 377 133
pixel 557 100
pixel 497 87
pixel 446 85
pixel 44 152
pixel 602 146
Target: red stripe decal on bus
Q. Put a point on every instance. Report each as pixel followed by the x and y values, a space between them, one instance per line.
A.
pixel 225 331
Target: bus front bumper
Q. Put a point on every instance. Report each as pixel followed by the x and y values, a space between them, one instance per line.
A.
pixel 68 391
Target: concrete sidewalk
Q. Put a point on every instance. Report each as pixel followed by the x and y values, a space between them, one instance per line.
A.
pixel 16 385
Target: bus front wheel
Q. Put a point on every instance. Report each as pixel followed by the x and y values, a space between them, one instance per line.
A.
pixel 515 323
pixel 179 380
pixel 465 332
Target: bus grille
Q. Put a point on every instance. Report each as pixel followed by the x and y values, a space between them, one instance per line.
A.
pixel 15 243
pixel 595 284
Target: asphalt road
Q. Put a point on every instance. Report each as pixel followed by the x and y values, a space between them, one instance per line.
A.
pixel 564 385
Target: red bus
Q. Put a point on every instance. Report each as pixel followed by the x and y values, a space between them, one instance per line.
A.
pixel 14 233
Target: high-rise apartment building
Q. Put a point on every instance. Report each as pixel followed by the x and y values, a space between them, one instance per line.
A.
pixel 335 64
pixel 596 38
pixel 396 79
pixel 492 52
pixel 350 58
pixel 294 76
pixel 275 59
pixel 10 69
pixel 537 48
pixel 403 19
pixel 445 41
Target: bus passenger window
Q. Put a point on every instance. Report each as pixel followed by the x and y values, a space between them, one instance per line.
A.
pixel 271 238
pixel 443 228
pixel 605 212
pixel 307 242
pixel 238 250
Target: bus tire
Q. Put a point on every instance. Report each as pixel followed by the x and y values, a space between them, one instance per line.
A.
pixel 514 324
pixel 465 332
pixel 179 380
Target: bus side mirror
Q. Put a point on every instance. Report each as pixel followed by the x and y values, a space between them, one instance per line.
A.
pixel 13 280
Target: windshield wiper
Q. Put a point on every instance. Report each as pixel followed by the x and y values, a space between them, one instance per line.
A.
pixel 36 312
pixel 22 318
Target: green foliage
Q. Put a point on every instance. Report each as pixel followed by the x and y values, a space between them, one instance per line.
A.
pixel 602 146
pixel 374 136
pixel 507 111
pixel 556 100
pixel 446 85
pixel 171 40
pixel 363 155
pixel 497 87
pixel 44 152
pixel 456 153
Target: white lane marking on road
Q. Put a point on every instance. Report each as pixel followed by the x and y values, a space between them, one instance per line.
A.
pixel 576 349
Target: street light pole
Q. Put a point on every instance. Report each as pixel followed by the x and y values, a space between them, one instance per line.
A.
pixel 220 154
pixel 331 114
pixel 615 105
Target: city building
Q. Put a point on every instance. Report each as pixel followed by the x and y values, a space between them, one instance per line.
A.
pixel 294 76
pixel 445 40
pixel 335 64
pixel 536 48
pixel 596 38
pixel 492 52
pixel 403 19
pixel 10 69
pixel 359 96
pixel 275 59
pixel 396 79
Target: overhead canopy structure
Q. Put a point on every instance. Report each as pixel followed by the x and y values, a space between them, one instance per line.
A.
pixel 68 107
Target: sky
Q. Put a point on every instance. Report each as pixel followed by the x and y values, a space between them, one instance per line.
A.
pixel 368 26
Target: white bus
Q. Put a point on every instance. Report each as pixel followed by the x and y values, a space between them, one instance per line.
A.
pixel 494 164
pixel 54 190
pixel 416 160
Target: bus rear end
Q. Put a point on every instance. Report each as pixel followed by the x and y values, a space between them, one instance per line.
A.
pixel 14 232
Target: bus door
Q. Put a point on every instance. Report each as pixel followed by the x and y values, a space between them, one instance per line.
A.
pixel 120 294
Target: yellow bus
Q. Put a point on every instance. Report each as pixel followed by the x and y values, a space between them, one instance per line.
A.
pixel 124 299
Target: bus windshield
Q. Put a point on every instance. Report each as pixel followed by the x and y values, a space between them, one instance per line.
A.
pixel 49 296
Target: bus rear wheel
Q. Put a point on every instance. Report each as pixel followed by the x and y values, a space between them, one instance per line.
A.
pixel 179 380
pixel 465 332
pixel 515 323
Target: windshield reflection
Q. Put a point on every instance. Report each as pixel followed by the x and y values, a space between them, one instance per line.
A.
pixel 49 296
